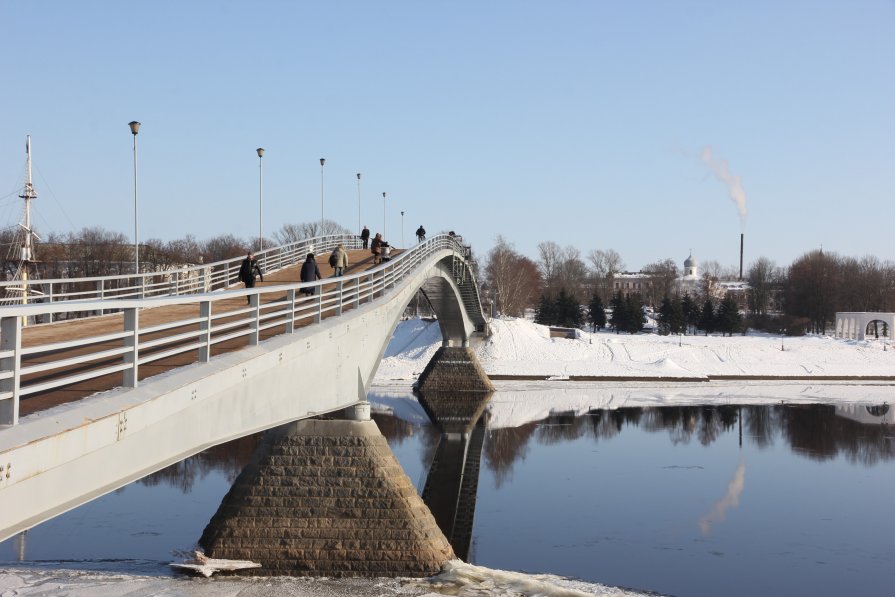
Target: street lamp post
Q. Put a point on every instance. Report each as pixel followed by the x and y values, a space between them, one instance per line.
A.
pixel 322 161
pixel 402 230
pixel 135 128
pixel 260 151
pixel 358 202
pixel 383 214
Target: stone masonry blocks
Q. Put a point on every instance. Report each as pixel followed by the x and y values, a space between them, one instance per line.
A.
pixel 327 498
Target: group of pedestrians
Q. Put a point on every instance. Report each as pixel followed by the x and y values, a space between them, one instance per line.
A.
pixel 338 260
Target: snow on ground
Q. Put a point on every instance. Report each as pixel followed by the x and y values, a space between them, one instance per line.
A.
pixel 520 347
pixel 457 578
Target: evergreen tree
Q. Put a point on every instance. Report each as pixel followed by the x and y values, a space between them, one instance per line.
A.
pixel 636 318
pixel 666 315
pixel 679 318
pixel 596 313
pixel 568 311
pixel 728 319
pixel 546 312
pixel 619 318
pixel 707 318
pixel 691 313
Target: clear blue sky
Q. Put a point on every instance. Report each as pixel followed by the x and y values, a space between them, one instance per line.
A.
pixel 577 122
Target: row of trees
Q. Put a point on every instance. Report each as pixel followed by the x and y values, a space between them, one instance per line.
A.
pixel 676 315
pixel 809 291
pixel 99 252
pixel 680 315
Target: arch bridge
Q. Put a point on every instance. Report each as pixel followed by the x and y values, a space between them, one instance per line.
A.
pixel 296 355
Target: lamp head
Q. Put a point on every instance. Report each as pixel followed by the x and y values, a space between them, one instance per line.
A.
pixel 322 161
pixel 260 151
pixel 135 127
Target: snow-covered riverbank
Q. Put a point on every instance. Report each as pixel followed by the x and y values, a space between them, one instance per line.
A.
pixel 518 347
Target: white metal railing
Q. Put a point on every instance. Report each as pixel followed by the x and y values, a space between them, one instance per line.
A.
pixel 193 279
pixel 28 370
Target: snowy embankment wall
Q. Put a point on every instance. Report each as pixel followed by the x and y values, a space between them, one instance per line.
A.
pixel 521 348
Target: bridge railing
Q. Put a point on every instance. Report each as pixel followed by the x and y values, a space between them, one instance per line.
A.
pixel 191 279
pixel 203 325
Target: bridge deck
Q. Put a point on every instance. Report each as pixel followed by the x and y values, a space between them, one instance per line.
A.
pixel 359 260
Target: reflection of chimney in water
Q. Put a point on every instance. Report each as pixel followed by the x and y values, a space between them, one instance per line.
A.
pixel 741 256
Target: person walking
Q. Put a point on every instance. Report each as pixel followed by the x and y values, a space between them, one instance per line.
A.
pixel 309 272
pixel 420 234
pixel 339 261
pixel 247 271
pixel 365 236
pixel 376 248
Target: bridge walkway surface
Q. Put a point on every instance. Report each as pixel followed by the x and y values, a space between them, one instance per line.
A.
pixel 71 330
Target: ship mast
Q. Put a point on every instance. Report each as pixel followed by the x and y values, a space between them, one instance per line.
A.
pixel 28 194
pixel 25 260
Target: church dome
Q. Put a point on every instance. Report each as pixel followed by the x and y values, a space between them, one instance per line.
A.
pixel 689 261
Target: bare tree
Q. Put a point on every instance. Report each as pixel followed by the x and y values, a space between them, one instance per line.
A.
pixel 811 288
pixel 604 265
pixel 223 247
pixel 562 268
pixel 513 279
pixel 763 276
pixel 290 233
pixel 551 256
pixel 663 277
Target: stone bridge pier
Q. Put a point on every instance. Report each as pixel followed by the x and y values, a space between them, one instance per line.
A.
pixel 327 497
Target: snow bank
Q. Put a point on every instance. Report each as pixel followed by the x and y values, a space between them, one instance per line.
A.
pixel 519 347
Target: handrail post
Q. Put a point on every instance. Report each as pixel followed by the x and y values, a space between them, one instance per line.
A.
pixel 142 285
pixel 255 335
pixel 50 299
pixel 11 339
pixel 339 295
pixel 318 317
pixel 357 292
pixel 131 342
pixel 290 321
pixel 101 293
pixel 205 331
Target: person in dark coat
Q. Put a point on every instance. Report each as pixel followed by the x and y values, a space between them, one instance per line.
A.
pixel 365 236
pixel 309 273
pixel 376 248
pixel 420 234
pixel 247 271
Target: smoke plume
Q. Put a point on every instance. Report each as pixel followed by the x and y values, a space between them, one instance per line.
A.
pixel 734 183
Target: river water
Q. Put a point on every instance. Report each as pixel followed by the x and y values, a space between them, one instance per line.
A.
pixel 681 500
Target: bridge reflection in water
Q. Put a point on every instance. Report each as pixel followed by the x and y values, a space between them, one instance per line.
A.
pixel 453 479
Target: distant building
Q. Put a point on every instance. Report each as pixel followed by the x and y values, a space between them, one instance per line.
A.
pixel 690 282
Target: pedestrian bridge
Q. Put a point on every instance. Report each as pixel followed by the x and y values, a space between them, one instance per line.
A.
pixel 154 377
